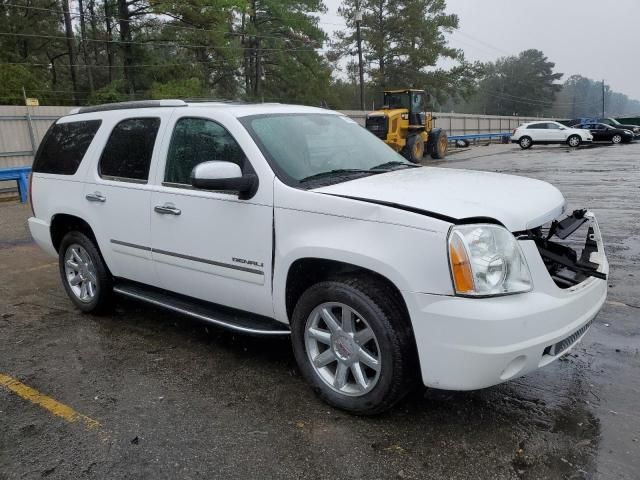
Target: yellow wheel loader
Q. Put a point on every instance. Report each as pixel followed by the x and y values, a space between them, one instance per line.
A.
pixel 405 126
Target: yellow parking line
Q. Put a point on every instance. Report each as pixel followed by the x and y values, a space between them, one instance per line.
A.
pixel 48 403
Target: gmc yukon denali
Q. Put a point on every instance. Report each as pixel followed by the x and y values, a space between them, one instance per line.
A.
pixel 287 220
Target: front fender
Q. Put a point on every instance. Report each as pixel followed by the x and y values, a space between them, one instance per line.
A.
pixel 414 260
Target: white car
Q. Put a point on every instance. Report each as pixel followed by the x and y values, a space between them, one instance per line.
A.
pixel 547 132
pixel 276 220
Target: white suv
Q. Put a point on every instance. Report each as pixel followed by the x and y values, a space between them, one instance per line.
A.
pixel 547 132
pixel 276 220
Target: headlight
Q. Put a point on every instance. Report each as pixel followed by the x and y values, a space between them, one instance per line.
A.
pixel 486 260
pixel 636 130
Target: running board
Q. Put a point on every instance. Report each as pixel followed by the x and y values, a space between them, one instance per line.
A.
pixel 225 317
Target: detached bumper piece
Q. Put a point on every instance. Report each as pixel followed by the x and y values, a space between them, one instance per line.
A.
pixel 567 263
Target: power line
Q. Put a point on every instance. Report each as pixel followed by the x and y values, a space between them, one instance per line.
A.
pixel 487 44
pixel 161 43
pixel 141 65
pixel 77 14
pixel 534 100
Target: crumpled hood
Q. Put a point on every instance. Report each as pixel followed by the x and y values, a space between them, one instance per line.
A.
pixel 518 203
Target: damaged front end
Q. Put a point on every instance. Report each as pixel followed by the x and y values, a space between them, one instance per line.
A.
pixel 571 248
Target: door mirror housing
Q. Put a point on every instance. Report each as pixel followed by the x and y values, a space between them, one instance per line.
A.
pixel 225 177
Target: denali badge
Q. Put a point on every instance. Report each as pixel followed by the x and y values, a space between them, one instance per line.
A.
pixel 248 262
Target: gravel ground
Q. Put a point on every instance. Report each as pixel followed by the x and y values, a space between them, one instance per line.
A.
pixel 178 399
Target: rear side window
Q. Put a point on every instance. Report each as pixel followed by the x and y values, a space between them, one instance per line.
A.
pixel 538 126
pixel 127 154
pixel 64 146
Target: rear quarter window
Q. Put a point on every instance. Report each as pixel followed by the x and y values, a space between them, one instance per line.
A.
pixel 64 147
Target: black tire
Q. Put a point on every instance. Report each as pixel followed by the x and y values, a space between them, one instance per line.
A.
pixel 101 300
pixel 414 149
pixel 525 142
pixel 439 144
pixel 386 317
pixel 574 141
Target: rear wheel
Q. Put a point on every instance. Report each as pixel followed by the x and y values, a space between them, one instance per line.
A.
pixel 414 149
pixel 617 138
pixel 355 354
pixel 525 142
pixel 574 141
pixel 440 145
pixel 84 274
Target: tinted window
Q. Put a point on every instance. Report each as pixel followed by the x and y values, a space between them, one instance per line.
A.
pixel 553 126
pixel 538 126
pixel 64 146
pixel 197 140
pixel 127 154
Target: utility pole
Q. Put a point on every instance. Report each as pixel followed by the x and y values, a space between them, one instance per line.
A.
pixel 602 98
pixel 358 19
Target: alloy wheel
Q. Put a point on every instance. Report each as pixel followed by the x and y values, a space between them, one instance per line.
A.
pixel 616 139
pixel 80 273
pixel 342 349
pixel 574 141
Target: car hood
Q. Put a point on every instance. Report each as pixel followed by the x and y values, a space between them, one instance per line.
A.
pixel 518 203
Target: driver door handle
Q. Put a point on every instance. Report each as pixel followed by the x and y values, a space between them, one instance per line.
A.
pixel 167 209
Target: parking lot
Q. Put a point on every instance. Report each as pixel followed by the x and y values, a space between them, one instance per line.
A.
pixel 143 393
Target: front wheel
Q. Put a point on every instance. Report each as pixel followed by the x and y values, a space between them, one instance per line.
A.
pixel 414 149
pixel 574 141
pixel 617 138
pixel 525 142
pixel 353 345
pixel 84 274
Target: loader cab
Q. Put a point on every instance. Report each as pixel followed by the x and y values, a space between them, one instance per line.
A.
pixel 414 101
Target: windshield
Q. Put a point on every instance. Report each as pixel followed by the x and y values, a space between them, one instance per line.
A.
pixel 301 146
pixel 614 121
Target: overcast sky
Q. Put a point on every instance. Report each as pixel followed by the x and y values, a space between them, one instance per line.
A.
pixel 594 38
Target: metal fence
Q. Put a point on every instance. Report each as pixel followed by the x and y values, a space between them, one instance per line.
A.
pixel 21 129
pixel 463 123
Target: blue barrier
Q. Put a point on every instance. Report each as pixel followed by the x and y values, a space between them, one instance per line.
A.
pixel 21 175
pixel 477 136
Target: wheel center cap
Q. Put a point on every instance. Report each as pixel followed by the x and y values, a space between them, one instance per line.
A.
pixel 344 347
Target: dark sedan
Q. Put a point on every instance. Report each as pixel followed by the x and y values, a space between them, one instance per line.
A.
pixel 606 133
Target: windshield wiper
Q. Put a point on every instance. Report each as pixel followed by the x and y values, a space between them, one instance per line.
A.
pixel 394 163
pixel 336 173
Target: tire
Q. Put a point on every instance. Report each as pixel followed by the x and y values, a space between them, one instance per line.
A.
pixel 440 145
pixel 80 261
pixel 372 307
pixel 574 141
pixel 616 139
pixel 525 142
pixel 414 149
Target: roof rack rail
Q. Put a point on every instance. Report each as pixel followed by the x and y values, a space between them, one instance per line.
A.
pixel 126 105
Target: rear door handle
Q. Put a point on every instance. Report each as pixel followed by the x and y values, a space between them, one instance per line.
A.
pixel 167 209
pixel 96 197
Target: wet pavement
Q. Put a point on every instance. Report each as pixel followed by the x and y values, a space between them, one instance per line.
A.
pixel 177 399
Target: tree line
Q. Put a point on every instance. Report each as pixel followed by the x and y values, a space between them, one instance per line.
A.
pixel 96 51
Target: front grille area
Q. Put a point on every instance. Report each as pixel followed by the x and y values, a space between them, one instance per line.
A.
pixel 562 345
pixel 567 259
pixel 378 126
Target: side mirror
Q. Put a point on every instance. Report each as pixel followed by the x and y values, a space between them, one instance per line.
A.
pixel 224 176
